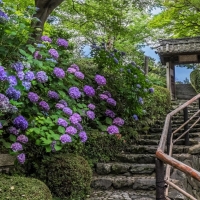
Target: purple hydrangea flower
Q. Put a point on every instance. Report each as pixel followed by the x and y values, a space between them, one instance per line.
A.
pixel 91 106
pixel 26 84
pixel 3 75
pixel 62 42
pixel 29 76
pixel 75 118
pixel 83 136
pixel 44 105
pixel 79 75
pixel 53 95
pixel 110 113
pixel 3 16
pixel 79 127
pixel 53 53
pixel 62 122
pixel 12 93
pixel 65 138
pixel 135 117
pixel 113 129
pixel 22 138
pixel 111 101
pixel 59 72
pixel 63 102
pixel 141 100
pixel 20 122
pixel 67 111
pixel 18 66
pixel 41 77
pixel 74 93
pixel 13 130
pixel 138 86
pixel 103 97
pixel 37 55
pixel 71 70
pixel 89 91
pixel 116 61
pixel 20 75
pixel 46 39
pixel 107 93
pixel 21 158
pixel 53 146
pixel 59 106
pixel 16 147
pixel 71 130
pixel 118 121
pixel 33 97
pixel 12 80
pixel 151 90
pixel 100 80
pixel 90 114
pixel 75 67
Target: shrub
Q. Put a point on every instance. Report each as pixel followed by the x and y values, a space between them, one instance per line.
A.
pixel 195 80
pixel 67 175
pixel 19 188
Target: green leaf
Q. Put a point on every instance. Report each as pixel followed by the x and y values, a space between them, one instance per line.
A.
pixel 61 129
pixel 108 120
pixel 57 147
pixel 12 138
pixel 31 49
pixel 103 127
pixel 48 148
pixel 22 52
pixel 55 136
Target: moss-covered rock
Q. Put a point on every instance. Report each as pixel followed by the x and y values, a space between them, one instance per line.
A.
pixel 67 175
pixel 19 188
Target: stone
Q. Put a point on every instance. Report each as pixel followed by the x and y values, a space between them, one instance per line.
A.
pixel 101 183
pixel 103 168
pixel 120 168
pixel 195 149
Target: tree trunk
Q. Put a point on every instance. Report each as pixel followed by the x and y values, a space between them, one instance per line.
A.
pixel 45 8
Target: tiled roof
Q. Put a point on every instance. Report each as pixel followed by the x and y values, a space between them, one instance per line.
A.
pixel 178 46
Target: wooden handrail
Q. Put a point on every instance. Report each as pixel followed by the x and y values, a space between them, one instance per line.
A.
pixel 165 158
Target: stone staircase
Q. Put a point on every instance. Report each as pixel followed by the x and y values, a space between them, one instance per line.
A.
pixel 132 176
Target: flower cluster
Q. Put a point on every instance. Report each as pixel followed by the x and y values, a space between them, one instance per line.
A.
pixel 62 42
pixel 53 95
pixel 42 77
pixel 53 53
pixel 89 91
pixel 100 80
pixel 74 93
pixel 20 122
pixel 3 75
pixel 12 93
pixel 110 113
pixel 46 39
pixel 59 72
pixel 44 105
pixel 62 122
pixel 113 129
pixel 33 97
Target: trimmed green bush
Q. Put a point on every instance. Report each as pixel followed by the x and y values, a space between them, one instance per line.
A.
pixel 68 176
pixel 19 188
pixel 195 80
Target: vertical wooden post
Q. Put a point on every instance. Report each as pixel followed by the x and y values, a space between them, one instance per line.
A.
pixel 169 137
pixel 146 65
pixel 168 76
pixel 160 183
pixel 185 112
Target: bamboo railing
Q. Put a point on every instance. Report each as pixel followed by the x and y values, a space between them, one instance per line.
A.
pixel 163 180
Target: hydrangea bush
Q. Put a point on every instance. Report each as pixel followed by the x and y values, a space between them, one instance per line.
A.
pixel 51 103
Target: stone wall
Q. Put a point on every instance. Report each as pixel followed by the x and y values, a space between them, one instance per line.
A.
pixel 6 161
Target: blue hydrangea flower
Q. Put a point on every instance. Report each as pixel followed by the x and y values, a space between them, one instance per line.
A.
pixel 12 93
pixel 29 76
pixel 12 80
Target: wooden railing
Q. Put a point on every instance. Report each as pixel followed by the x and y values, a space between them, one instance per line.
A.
pixel 163 180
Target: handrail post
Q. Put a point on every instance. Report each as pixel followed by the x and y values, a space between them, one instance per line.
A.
pixel 160 182
pixel 169 137
pixel 185 111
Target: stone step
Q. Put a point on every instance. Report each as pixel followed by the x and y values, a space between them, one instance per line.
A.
pixel 121 182
pixel 150 149
pixel 154 136
pixel 136 158
pixel 126 169
pixel 156 142
pixel 122 195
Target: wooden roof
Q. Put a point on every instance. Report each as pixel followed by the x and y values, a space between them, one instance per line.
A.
pixel 172 48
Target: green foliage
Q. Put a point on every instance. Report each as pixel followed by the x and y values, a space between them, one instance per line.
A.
pixel 19 188
pixel 178 18
pixel 195 80
pixel 67 175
